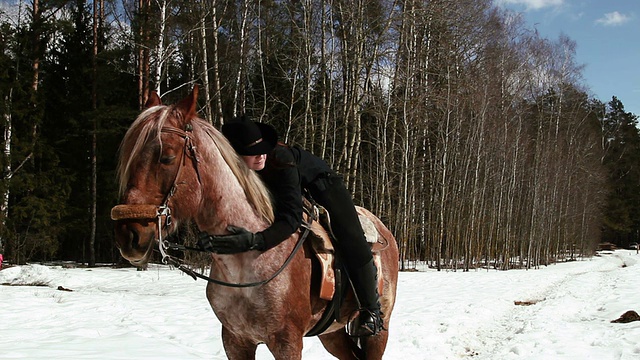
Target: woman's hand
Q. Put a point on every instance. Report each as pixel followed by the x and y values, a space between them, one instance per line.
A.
pixel 240 240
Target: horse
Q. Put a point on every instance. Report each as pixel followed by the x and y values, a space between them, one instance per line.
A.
pixel 175 167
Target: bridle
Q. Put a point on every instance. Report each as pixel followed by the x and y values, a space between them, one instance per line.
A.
pixel 162 214
pixel 188 150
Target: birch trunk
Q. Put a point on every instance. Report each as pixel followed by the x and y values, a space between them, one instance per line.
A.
pixel 239 95
pixel 216 65
pixel 6 170
pixel 205 70
pixel 160 54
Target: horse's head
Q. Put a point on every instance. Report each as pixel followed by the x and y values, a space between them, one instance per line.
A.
pixel 173 167
pixel 158 175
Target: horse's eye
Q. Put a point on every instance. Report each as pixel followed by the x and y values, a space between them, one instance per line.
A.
pixel 167 160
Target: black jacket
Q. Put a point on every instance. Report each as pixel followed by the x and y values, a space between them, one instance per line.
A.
pixel 287 172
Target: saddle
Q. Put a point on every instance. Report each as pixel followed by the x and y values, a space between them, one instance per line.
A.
pixel 321 243
pixel 332 285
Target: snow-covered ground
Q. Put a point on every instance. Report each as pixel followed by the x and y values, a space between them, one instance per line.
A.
pixel 163 314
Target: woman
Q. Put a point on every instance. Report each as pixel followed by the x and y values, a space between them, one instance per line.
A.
pixel 287 171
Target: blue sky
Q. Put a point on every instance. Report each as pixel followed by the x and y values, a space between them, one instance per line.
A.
pixel 607 34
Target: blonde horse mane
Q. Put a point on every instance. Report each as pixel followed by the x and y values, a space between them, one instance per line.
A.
pixel 255 190
pixel 150 122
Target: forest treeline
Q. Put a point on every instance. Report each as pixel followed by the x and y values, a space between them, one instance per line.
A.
pixel 471 136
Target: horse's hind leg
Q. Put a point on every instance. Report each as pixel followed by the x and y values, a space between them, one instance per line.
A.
pixel 286 345
pixel 340 345
pixel 375 345
pixel 237 348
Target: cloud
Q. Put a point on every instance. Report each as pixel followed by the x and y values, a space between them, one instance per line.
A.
pixel 613 19
pixel 532 4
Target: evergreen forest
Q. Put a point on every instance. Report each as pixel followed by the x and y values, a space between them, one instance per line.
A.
pixel 472 137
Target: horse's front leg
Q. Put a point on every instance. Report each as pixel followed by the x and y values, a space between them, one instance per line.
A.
pixel 237 348
pixel 286 345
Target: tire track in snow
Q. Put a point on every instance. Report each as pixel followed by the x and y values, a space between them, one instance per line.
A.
pixel 578 298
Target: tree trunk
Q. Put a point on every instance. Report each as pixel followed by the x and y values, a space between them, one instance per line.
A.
pixel 160 53
pixel 143 52
pixel 97 20
pixel 216 65
pixel 239 97
pixel 205 69
pixel 6 170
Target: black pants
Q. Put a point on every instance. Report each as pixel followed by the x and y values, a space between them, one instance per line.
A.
pixel 330 192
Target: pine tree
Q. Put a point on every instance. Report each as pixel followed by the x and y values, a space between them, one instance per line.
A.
pixel 622 143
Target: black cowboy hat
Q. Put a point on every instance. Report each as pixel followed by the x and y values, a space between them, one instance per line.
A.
pixel 249 137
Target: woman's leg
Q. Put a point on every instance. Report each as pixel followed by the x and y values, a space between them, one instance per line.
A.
pixel 332 194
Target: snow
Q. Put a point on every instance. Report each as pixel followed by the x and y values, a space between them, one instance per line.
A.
pixel 163 314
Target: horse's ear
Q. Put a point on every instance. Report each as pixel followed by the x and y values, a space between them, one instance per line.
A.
pixel 187 106
pixel 153 100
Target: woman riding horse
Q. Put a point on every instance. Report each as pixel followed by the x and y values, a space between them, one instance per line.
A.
pixel 176 168
pixel 287 171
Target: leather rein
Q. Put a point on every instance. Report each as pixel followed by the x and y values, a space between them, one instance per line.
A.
pixel 164 220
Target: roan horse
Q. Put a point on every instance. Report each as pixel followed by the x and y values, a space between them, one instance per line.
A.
pixel 183 169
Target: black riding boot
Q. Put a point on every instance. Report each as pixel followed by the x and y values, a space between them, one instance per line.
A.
pixel 365 284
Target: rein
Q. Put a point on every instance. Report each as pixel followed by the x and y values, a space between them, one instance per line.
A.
pixel 121 212
pixel 181 266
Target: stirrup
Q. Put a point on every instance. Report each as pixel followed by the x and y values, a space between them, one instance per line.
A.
pixel 367 323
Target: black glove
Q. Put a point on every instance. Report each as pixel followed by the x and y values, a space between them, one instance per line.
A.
pixel 240 240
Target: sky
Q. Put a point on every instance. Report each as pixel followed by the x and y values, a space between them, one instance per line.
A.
pixel 607 34
pixel 163 314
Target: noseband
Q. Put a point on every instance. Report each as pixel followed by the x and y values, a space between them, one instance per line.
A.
pixel 162 213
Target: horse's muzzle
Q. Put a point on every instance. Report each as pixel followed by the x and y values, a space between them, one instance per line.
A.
pixel 135 231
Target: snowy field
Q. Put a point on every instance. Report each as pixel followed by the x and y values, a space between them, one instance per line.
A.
pixel 162 314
